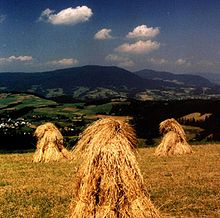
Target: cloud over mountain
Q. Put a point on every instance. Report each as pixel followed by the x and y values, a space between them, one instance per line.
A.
pixel 120 60
pixel 68 16
pixel 13 58
pixel 157 60
pixel 64 62
pixel 139 47
pixel 143 32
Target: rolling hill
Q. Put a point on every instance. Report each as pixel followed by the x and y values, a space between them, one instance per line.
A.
pixel 181 79
pixel 86 76
pixel 104 82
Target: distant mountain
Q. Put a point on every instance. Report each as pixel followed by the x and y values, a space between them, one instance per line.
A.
pixel 101 82
pixel 70 79
pixel 87 76
pixel 213 77
pixel 181 79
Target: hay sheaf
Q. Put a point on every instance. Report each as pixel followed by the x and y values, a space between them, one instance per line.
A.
pixel 49 144
pixel 109 182
pixel 174 140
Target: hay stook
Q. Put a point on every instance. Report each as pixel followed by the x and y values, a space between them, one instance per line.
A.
pixel 174 139
pixel 49 144
pixel 109 182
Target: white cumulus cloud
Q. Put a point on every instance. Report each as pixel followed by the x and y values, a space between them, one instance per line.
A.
pixel 68 16
pixel 103 34
pixel 139 47
pixel 64 62
pixel 183 62
pixel 158 61
pixel 13 58
pixel 120 60
pixel 180 61
pixel 20 58
pixel 143 32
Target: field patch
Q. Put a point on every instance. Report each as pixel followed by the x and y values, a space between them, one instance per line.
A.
pixel 197 116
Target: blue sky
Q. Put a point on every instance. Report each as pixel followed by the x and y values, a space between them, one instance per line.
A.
pixel 181 36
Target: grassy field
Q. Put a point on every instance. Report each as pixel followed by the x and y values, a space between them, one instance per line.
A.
pixel 19 101
pixel 184 186
pixel 49 108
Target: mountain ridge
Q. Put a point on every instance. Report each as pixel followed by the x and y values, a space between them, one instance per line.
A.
pixel 111 80
pixel 187 79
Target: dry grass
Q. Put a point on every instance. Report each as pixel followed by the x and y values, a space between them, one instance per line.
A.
pixel 174 139
pixel 185 186
pixel 197 116
pixel 49 144
pixel 109 182
pixel 120 118
pixel 29 189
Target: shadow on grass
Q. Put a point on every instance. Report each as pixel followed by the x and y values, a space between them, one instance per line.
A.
pixel 16 151
pixel 10 144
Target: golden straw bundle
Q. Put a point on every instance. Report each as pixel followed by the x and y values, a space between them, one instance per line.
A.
pixel 50 144
pixel 174 139
pixel 109 182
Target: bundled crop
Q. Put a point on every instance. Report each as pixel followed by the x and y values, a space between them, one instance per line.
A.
pixel 174 139
pixel 49 144
pixel 109 182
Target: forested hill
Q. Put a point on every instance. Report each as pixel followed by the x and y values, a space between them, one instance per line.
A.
pixel 104 82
